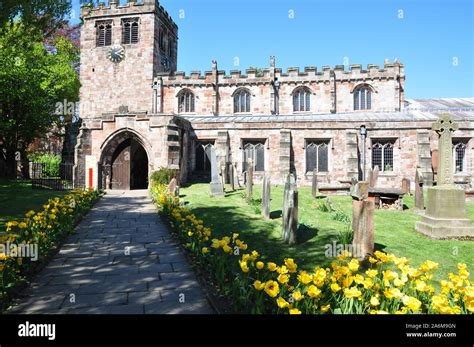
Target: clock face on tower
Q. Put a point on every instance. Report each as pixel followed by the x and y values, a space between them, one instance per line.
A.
pixel 116 54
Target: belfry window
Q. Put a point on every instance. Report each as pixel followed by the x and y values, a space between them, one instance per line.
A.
pixel 302 100
pixel 242 101
pixel 382 155
pixel 129 30
pixel 104 33
pixel 186 101
pixel 362 98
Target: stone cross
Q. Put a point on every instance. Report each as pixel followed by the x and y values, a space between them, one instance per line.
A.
pixel 249 181
pixel 266 196
pixel 445 126
pixel 314 186
pixel 217 188
pixel 419 199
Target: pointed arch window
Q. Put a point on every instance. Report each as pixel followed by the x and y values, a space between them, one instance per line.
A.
pixel 317 155
pixel 203 153
pixel 242 101
pixel 363 98
pixel 302 100
pixel 186 101
pixel 255 151
pixel 382 155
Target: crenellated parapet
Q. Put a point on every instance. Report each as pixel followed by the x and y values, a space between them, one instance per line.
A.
pixel 291 75
pixel 272 90
pixel 114 8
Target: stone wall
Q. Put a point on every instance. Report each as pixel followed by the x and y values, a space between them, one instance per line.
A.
pixel 287 139
pixel 331 89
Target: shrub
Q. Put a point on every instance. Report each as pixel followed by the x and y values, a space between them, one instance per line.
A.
pixel 50 163
pixel 163 176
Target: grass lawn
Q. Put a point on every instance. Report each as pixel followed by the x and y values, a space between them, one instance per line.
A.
pixel 394 230
pixel 17 198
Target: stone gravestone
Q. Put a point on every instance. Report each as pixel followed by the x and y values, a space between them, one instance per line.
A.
pixel 406 186
pixel 445 216
pixel 363 209
pixel 217 189
pixel 230 170
pixel 172 186
pixel 266 196
pixel 249 181
pixel 373 177
pixel 419 199
pixel 353 184
pixel 236 175
pixel 314 186
pixel 290 211
pixel 223 173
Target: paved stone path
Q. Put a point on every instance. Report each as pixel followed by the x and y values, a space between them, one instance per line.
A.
pixel 93 274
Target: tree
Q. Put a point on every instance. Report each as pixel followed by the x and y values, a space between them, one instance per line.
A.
pixel 34 77
pixel 44 15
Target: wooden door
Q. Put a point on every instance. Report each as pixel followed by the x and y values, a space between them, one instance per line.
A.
pixel 120 175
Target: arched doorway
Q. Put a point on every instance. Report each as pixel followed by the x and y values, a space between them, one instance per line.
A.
pixel 124 162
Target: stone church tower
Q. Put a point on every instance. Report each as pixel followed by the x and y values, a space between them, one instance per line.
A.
pixel 122 48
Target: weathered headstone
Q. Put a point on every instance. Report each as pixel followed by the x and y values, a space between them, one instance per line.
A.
pixel 230 170
pixel 353 185
pixel 249 181
pixel 236 175
pixel 373 177
pixel 216 186
pixel 172 186
pixel 266 196
pixel 406 185
pixel 223 173
pixel 363 209
pixel 290 211
pixel 314 186
pixel 419 198
pixel 445 216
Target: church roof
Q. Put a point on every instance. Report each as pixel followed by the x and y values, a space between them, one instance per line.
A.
pixel 416 110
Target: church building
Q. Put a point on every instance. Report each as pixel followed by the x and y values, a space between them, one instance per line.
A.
pixel 139 114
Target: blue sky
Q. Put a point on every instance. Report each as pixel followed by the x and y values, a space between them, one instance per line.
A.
pixel 434 39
